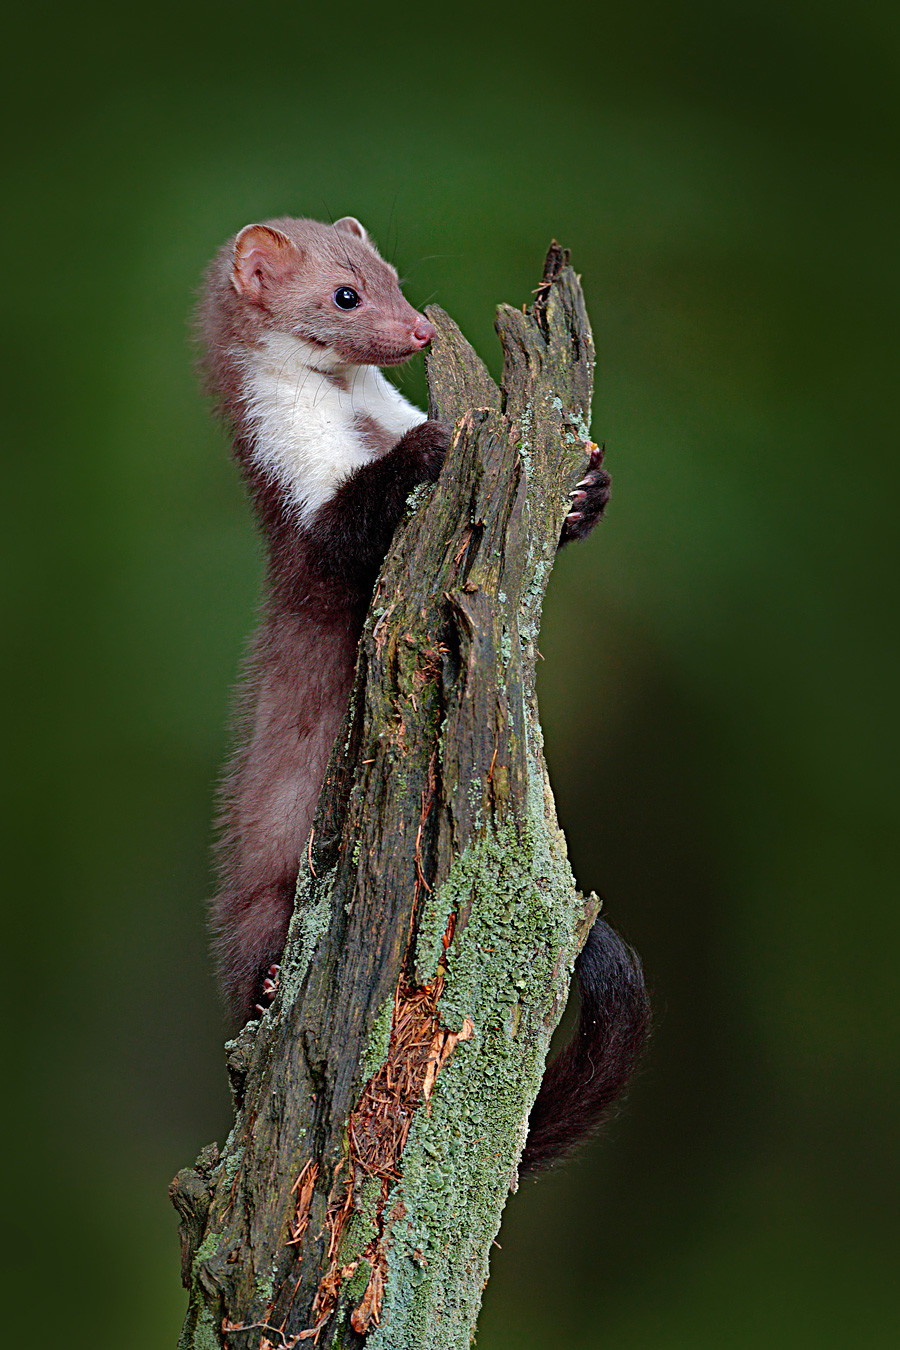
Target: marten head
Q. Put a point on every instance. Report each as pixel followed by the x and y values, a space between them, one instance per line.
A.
pixel 324 284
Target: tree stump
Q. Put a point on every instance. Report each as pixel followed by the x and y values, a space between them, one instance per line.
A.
pixel 382 1102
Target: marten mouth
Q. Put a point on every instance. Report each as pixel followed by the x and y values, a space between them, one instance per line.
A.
pixel 373 353
pixel 396 358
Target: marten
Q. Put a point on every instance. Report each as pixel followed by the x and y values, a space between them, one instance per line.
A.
pixel 295 319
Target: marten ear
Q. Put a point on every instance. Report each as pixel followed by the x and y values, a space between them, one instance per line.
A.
pixel 262 257
pixel 350 225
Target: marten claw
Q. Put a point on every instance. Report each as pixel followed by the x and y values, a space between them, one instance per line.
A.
pixel 590 495
pixel 269 988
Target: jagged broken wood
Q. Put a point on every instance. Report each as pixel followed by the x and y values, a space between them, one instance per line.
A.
pixel 382 1102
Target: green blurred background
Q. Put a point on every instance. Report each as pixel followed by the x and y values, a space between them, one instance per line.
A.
pixel 720 678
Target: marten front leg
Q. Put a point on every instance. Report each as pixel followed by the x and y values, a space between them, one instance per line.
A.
pixel 589 498
pixel 353 531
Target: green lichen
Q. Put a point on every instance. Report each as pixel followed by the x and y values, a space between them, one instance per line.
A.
pixel 202 1333
pixel 524 445
pixel 429 939
pixel 353 1289
pixel 206 1249
pixel 532 599
pixel 571 418
pixel 379 1043
pixel 201 1327
pixel 230 1164
pixel 362 1225
pixel 420 494
pixel 266 1283
pixel 459 1161
pixel 312 912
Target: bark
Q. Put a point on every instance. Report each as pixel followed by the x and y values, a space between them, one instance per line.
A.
pixel 382 1103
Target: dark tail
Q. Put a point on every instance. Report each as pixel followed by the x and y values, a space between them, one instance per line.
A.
pixel 596 1064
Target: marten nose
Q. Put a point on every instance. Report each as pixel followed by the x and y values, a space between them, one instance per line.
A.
pixel 423 333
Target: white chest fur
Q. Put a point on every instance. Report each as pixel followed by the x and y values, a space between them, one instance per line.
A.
pixel 304 409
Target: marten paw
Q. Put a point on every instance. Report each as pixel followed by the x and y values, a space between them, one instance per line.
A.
pixel 589 497
pixel 429 442
pixel 269 989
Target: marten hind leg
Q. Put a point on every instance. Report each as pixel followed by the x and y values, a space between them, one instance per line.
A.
pixel 249 937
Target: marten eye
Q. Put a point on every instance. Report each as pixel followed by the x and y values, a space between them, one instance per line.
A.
pixel 345 297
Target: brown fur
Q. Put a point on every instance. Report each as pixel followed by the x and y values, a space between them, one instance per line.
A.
pixel 279 277
pixel 297 684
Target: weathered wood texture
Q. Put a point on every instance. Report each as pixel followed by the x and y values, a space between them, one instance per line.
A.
pixel 381 1104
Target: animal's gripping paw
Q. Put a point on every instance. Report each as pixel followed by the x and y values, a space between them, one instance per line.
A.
pixel 589 497
pixel 269 989
pixel 429 442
